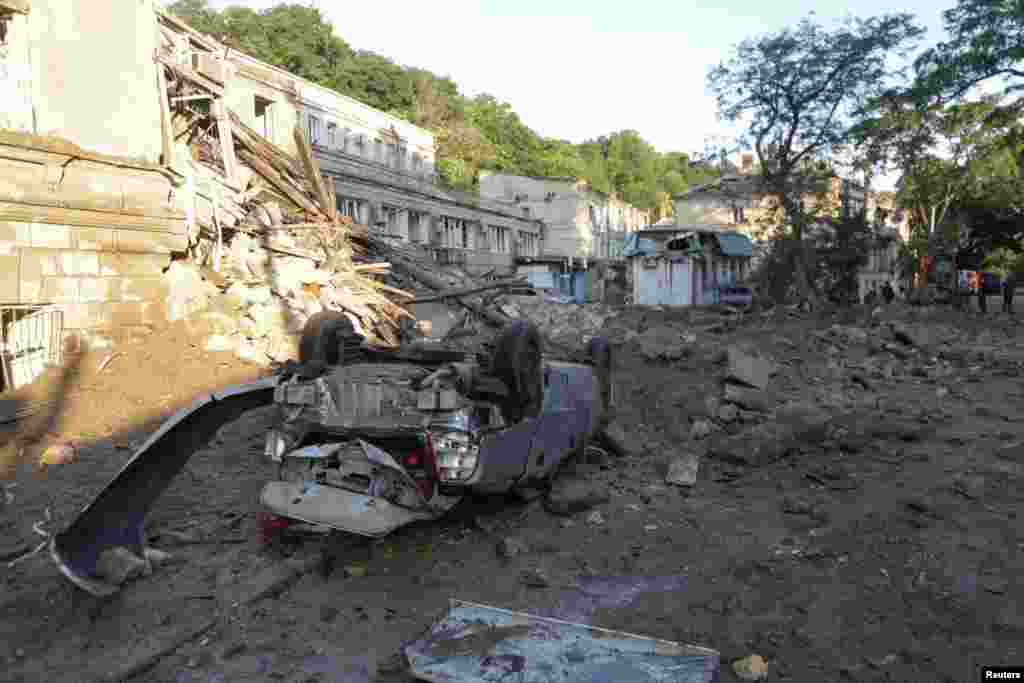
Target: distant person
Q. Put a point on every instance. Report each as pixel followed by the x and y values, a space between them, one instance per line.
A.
pixel 871 297
pixel 1009 284
pixel 887 293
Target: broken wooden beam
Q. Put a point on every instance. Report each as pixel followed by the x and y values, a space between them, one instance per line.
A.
pixel 279 183
pixel 516 283
pixel 316 180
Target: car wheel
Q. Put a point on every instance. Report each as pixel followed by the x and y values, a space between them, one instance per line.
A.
pixel 322 336
pixel 599 354
pixel 517 362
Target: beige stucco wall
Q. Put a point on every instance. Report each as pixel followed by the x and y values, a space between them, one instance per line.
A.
pixel 93 75
pixel 16 76
pixel 295 99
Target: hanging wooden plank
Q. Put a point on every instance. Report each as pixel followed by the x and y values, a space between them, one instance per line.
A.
pixel 280 184
pixel 316 180
pixel 227 144
pixel 274 155
pixel 167 129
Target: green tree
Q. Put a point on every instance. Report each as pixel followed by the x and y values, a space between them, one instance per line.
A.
pixel 986 41
pixel 800 91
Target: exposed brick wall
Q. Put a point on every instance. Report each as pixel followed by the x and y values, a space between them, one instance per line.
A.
pixel 105 280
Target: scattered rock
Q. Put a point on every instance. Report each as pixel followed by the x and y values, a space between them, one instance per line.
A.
pixel 750 369
pixel 752 668
pixel 118 565
pixel 682 471
pixel 509 547
pixel 595 518
pixel 570 495
pixel 664 343
pixel 157 558
pixel 534 578
pixel 218 342
pixel 728 413
pixel 58 454
pixel 751 399
pixel 620 441
pixel 701 429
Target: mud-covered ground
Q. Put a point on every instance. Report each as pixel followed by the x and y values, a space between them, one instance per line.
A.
pixel 888 549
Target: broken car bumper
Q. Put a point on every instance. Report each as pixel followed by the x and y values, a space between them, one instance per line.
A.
pixel 339 509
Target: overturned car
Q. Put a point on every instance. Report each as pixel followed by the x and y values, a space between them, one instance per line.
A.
pixel 369 440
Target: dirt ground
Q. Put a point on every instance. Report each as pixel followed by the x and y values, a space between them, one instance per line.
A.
pixel 891 552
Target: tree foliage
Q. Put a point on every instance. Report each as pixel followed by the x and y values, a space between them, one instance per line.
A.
pixel 471 134
pixel 799 93
pixel 986 41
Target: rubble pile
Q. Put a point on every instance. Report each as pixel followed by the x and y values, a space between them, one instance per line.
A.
pixel 267 248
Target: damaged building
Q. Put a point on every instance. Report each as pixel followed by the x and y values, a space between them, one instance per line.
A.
pixel 104 182
pixel 89 213
pixel 585 230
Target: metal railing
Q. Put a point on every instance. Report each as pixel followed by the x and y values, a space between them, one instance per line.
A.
pixel 30 341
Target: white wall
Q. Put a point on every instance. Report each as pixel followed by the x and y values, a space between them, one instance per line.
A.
pixel 93 75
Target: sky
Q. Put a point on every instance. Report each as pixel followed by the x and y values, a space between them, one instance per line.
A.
pixel 576 70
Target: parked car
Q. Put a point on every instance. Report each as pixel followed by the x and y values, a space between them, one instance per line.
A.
pixel 367 440
pixel 736 296
pixel 991 283
pixel 372 445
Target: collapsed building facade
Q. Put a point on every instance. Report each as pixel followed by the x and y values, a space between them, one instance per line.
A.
pixel 105 183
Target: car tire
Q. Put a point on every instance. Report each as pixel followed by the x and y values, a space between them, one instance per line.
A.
pixel 518 363
pixel 322 336
pixel 599 355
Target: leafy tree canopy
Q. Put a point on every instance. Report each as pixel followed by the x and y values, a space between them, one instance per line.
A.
pixel 471 134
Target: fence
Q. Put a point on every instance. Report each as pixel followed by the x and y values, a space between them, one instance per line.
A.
pixel 30 341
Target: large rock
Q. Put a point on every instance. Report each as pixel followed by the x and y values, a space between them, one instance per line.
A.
pixel 682 469
pixel 119 565
pixel 247 296
pixel 665 343
pixel 746 367
pixel 570 495
pixel 792 426
pixel 273 317
pixel 751 399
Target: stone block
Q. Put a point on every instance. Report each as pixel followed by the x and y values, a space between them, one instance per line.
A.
pixel 60 290
pixel 51 236
pixel 9 289
pixel 94 239
pixel 143 242
pixel 80 263
pixel 747 368
pixel 143 289
pixel 133 264
pixel 99 289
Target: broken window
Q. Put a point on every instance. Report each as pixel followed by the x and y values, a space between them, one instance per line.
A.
pixel 332 135
pixel 378 151
pixel 415 227
pixel 349 208
pixel 262 111
pixel 314 130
